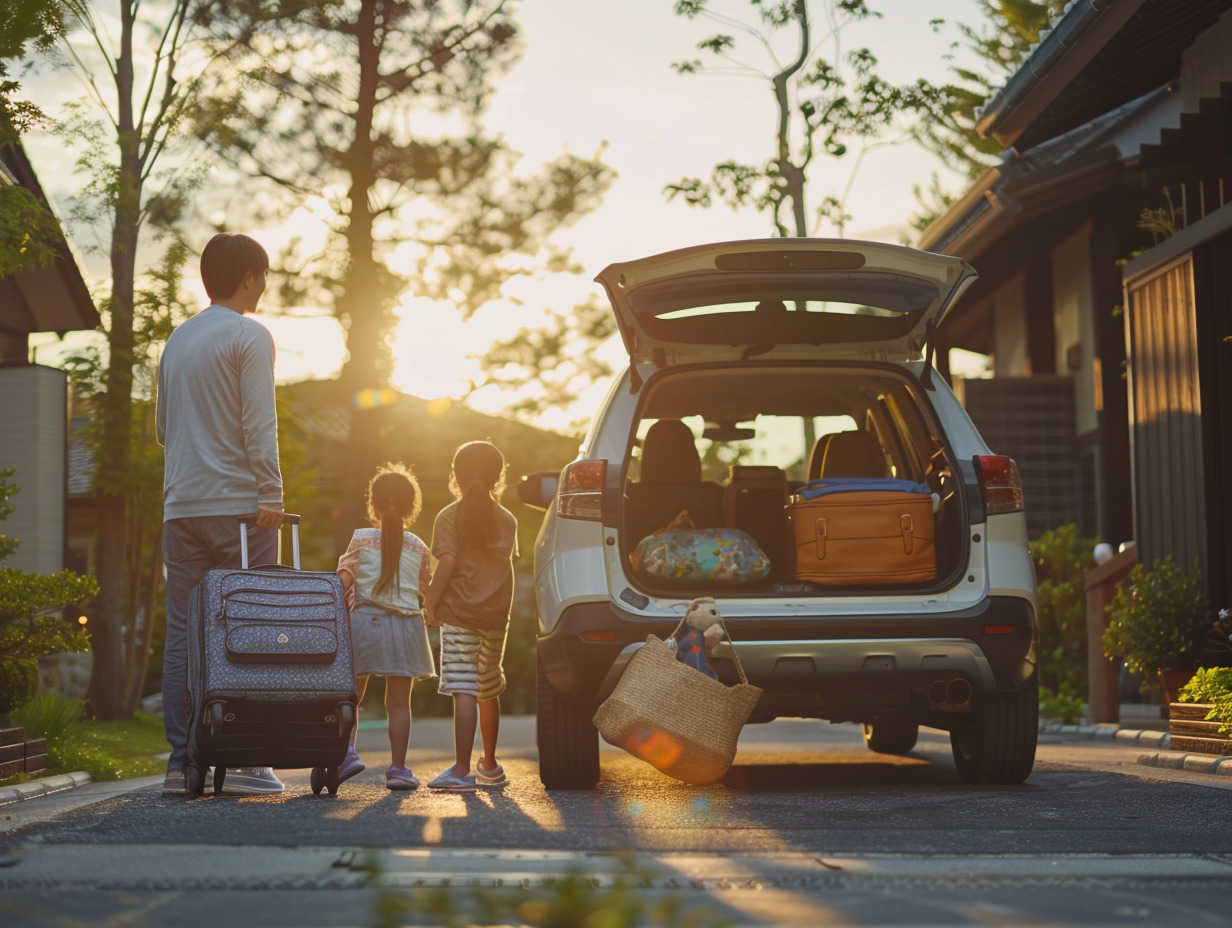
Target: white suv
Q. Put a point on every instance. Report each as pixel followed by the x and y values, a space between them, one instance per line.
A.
pixel 747 359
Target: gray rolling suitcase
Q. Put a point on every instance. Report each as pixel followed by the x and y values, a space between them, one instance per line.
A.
pixel 271 681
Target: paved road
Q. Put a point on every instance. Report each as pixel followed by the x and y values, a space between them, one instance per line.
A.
pixel 808 828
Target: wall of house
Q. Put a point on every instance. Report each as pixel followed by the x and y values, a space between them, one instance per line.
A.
pixel 1074 324
pixel 34 429
pixel 1206 64
pixel 1009 326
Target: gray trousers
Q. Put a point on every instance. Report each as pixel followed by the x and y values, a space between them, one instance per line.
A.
pixel 190 548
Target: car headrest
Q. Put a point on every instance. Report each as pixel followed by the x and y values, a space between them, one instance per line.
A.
pixel 817 455
pixel 669 454
pixel 854 454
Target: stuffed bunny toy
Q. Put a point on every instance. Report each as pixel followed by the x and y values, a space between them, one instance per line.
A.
pixel 703 630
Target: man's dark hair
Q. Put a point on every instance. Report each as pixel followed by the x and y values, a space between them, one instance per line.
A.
pixel 226 258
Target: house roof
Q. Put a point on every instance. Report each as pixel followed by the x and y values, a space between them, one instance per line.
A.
pixel 1100 54
pixel 48 299
pixel 1068 168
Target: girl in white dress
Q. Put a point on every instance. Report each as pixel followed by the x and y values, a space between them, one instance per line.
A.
pixel 384 571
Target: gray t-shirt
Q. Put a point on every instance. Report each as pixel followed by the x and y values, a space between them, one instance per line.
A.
pixel 480 591
pixel 216 417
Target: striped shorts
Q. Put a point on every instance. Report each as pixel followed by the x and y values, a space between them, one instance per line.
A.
pixel 471 662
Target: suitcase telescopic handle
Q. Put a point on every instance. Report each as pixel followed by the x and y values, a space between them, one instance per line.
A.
pixel 288 518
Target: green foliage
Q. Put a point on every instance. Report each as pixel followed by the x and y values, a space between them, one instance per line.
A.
pixel 19 677
pixel 547 366
pixel 1212 685
pixel 51 716
pixel 826 105
pixel 1158 619
pixel 29 233
pixel 1062 560
pixel 107 751
pixel 1069 710
pixel 412 142
pixel 28 22
pixel 576 900
pixel 1009 30
pixel 30 625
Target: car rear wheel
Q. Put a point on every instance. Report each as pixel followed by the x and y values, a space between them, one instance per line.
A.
pixel 568 740
pixel 997 745
pixel 891 736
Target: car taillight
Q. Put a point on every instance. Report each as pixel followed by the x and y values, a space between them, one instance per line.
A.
pixel 1002 488
pixel 581 491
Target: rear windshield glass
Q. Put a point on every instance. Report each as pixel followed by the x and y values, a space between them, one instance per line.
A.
pixel 801 308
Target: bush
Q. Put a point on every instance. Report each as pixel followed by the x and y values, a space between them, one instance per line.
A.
pixel 18 682
pixel 51 716
pixel 1069 710
pixel 1062 561
pixel 1212 685
pixel 1158 619
pixel 30 625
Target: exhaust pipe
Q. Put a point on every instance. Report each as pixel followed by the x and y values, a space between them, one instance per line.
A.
pixel 937 694
pixel 958 692
pixel 949 695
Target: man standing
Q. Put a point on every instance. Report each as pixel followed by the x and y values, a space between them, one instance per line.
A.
pixel 218 423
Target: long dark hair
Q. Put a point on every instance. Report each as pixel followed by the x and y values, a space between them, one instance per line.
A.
pixel 477 480
pixel 394 502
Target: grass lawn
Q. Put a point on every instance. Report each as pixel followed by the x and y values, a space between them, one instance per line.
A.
pixel 105 750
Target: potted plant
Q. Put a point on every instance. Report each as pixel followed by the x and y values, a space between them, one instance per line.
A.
pixel 1158 621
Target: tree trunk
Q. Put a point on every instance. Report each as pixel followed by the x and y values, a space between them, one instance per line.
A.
pixel 107 682
pixel 367 290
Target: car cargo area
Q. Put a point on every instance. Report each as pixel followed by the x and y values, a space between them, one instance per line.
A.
pixel 780 478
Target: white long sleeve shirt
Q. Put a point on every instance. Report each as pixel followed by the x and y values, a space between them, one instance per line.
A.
pixel 216 417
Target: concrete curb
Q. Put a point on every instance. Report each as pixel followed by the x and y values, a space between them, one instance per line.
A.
pixel 36 788
pixel 1165 759
pixel 1110 731
pixel 1193 763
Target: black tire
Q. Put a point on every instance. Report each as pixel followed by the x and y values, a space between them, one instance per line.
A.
pixel 997 745
pixel 568 740
pixel 891 736
pixel 196 780
pixel 220 776
pixel 331 780
pixel 317 780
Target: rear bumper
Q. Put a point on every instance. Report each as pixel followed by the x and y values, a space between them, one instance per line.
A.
pixel 831 667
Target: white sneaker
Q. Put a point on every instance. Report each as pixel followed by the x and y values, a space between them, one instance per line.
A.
pixel 251 781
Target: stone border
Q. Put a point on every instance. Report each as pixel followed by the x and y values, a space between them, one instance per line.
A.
pixel 1194 763
pixel 36 788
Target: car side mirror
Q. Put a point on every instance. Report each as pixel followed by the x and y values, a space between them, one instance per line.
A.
pixel 538 490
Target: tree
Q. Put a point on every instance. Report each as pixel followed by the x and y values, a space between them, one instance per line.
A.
pixel 30 623
pixel 29 233
pixel 375 107
pixel 152 72
pixel 823 104
pixel 1010 29
pixel 159 304
pixel 549 365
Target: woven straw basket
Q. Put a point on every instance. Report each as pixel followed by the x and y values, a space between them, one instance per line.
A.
pixel 674 717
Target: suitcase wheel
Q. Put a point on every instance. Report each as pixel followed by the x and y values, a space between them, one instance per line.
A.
pixel 318 780
pixel 331 780
pixel 196 780
pixel 220 774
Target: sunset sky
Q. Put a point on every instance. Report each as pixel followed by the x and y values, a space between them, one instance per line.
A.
pixel 596 73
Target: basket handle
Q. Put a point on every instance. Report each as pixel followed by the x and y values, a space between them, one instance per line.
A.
pixel 735 657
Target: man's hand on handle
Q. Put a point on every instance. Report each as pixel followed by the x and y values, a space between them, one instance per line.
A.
pixel 269 518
